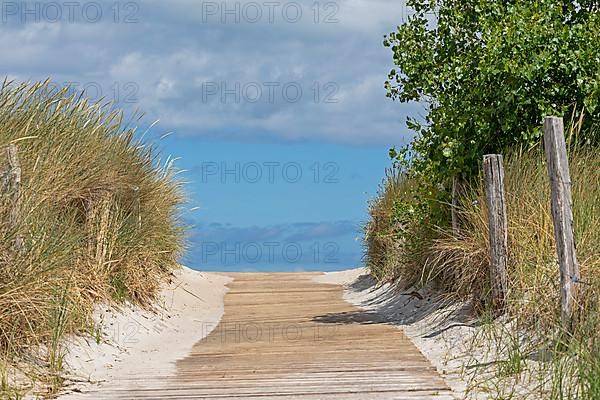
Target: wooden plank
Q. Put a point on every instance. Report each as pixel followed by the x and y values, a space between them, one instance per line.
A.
pixel 493 172
pixel 562 213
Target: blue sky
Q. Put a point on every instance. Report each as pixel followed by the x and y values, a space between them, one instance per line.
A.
pixel 276 111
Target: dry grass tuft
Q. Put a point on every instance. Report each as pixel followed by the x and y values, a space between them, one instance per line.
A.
pixel 534 292
pixel 460 263
pixel 383 249
pixel 99 219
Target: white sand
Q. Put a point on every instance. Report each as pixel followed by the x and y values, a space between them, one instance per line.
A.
pixel 136 344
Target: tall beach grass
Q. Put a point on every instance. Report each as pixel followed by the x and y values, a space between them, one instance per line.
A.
pixel 98 218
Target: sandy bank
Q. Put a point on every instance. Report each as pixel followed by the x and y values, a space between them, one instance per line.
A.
pixel 441 331
pixel 466 353
pixel 133 345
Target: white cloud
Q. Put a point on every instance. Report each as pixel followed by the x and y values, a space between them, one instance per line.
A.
pixel 172 54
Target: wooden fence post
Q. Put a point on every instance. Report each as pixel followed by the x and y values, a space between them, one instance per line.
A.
pixel 11 186
pixel 493 170
pixel 562 213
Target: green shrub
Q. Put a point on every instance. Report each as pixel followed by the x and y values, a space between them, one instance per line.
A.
pixel 489 71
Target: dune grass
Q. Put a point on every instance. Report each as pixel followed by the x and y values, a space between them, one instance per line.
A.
pixel 458 264
pixel 98 218
pixel 404 220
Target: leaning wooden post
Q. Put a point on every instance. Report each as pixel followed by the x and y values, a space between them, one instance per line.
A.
pixel 11 186
pixel 562 213
pixel 493 171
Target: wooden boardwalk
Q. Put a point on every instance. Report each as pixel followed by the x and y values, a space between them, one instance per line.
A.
pixel 284 336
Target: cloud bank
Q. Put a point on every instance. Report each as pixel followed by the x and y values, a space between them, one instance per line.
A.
pixel 276 71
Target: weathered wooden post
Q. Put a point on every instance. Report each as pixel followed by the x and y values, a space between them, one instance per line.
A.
pixel 562 213
pixel 11 187
pixel 493 171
